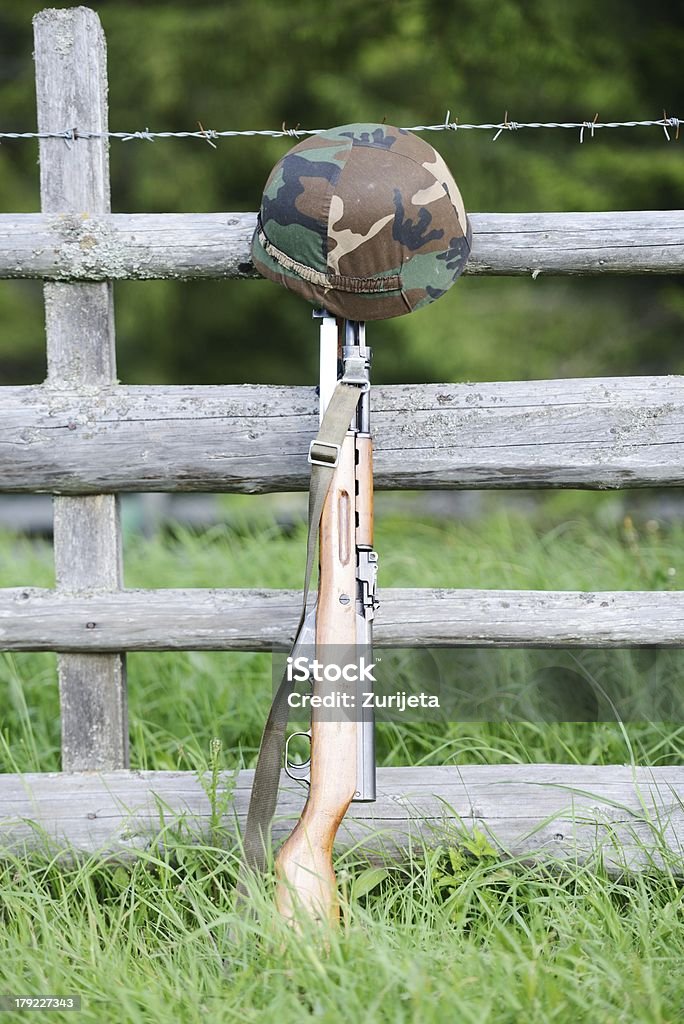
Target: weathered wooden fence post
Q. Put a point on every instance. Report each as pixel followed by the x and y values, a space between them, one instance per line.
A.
pixel 71 86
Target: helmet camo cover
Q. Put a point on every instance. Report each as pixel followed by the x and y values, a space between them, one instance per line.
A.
pixel 365 220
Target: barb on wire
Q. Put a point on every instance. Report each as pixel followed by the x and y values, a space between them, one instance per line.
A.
pixel 672 122
pixel 71 135
pixel 590 125
pixel 510 126
pixel 208 134
pixel 147 135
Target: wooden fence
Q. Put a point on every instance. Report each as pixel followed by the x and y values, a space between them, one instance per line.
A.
pixel 85 438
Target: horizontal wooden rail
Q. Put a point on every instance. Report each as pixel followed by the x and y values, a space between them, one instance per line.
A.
pixel 192 245
pixel 594 433
pixel 261 620
pixel 633 816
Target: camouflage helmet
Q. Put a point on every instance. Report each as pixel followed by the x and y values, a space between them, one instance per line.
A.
pixel 365 220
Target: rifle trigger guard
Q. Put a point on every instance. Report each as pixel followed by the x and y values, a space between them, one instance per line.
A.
pixel 298 772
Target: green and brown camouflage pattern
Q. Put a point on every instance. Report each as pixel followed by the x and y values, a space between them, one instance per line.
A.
pixel 365 220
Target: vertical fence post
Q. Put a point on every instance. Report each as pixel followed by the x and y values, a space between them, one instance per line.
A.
pixel 71 87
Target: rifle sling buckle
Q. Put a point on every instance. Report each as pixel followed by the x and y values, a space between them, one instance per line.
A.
pixel 324 453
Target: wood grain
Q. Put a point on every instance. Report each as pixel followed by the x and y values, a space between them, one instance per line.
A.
pixel 83 245
pixel 71 88
pixel 364 489
pixel 632 817
pixel 32 619
pixel 589 432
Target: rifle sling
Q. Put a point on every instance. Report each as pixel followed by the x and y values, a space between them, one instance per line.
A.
pixel 262 804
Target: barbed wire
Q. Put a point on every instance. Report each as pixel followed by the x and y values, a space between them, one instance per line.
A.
pixel 71 135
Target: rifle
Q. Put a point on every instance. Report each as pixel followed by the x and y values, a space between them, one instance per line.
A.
pixel 341 766
pixel 367 219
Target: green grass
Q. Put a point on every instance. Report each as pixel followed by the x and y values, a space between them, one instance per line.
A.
pixel 460 932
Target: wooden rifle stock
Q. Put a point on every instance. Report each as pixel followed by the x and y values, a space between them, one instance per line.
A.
pixel 304 871
pixel 342 762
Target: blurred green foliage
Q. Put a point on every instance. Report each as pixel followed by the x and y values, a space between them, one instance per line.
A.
pixel 258 63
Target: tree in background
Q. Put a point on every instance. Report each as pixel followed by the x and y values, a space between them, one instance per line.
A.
pixel 259 63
